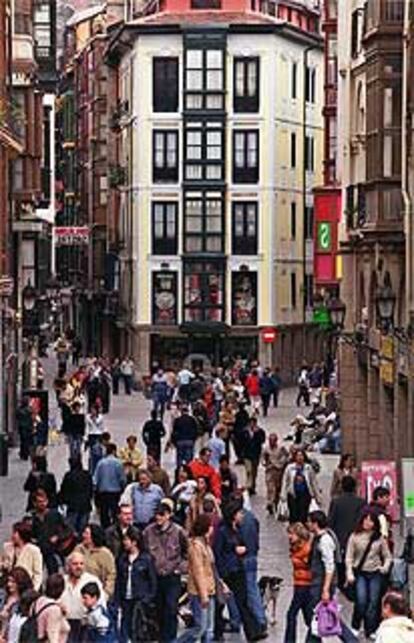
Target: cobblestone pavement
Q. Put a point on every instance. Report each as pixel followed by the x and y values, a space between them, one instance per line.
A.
pixel 127 416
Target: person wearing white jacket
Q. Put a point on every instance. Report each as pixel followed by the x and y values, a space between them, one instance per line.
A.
pixel 396 627
pixel 299 487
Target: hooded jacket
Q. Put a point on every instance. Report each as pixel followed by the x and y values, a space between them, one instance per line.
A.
pixel 397 629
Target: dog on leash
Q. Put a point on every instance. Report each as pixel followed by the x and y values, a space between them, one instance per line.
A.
pixel 269 587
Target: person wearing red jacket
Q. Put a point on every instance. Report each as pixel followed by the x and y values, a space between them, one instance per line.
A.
pixel 252 385
pixel 201 467
pixel 300 553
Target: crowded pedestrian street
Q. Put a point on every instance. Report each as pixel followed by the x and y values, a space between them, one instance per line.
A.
pixel 126 416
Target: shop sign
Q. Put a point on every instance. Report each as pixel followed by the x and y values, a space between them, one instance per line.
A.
pixel 71 236
pixel 324 236
pixel 407 467
pixel 387 347
pixel 381 473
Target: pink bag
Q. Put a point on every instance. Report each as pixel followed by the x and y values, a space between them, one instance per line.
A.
pixel 329 623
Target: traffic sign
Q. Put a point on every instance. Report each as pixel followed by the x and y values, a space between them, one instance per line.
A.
pixel 269 335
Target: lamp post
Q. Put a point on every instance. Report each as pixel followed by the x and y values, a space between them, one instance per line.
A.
pixel 337 312
pixel 385 300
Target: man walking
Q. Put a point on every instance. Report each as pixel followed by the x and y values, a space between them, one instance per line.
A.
pixel 183 436
pixel 109 481
pixel 144 496
pixel 152 433
pixel 324 556
pixel 167 544
pixel 255 437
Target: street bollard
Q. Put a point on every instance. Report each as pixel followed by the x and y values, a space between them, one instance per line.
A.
pixel 4 454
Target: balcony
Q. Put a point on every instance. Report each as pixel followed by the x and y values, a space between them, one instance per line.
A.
pixel 383 13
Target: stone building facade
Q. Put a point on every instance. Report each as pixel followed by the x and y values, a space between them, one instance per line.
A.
pixel 375 355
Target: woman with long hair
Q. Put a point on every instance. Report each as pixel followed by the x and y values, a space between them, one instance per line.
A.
pixel 197 502
pixel 300 546
pixel 367 560
pixel 18 582
pixel 346 467
pixel 299 487
pixel 99 560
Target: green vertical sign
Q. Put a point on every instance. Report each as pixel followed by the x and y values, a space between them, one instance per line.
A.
pixel 324 236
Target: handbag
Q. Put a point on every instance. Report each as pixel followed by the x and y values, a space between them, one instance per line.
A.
pixel 398 577
pixel 329 623
pixel 282 511
pixel 313 506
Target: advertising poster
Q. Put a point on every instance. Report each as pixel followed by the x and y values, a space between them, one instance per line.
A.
pixel 381 473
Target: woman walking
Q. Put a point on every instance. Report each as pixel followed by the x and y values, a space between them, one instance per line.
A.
pixel 346 467
pixel 201 583
pixel 367 560
pixel 299 487
pixel 300 553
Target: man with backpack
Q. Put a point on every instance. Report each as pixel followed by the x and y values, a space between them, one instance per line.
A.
pixel 325 555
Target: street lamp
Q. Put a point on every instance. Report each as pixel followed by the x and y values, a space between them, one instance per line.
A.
pixel 29 297
pixel 385 300
pixel 337 311
pixel 52 288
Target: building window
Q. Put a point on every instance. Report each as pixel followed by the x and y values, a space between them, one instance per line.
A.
pixel 165 156
pixel 294 86
pixel 293 220
pixel 293 289
pixel 204 291
pixel 164 298
pixel 165 84
pixel 246 84
pixel 203 223
pixel 204 79
pixel 204 152
pixel 164 228
pixel 244 298
pixel 42 30
pixel 309 153
pixel 18 174
pixel 310 84
pixel 308 223
pixel 245 156
pixel 245 228
pixel 293 150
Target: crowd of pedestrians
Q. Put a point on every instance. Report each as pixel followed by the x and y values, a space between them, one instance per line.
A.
pixel 126 551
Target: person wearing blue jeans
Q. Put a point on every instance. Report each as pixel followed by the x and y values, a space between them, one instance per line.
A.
pixel 203 621
pixel 249 530
pixel 368 590
pixel 300 603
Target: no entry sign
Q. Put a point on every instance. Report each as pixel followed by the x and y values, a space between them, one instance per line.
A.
pixel 269 335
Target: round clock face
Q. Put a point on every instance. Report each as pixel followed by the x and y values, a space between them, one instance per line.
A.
pixel 165 300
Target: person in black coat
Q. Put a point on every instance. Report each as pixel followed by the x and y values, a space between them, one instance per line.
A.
pixel 183 436
pixel 136 586
pixel 76 494
pixel 75 430
pixel 254 439
pixel 344 513
pixel 25 428
pixel 241 422
pixel 152 433
pixel 40 478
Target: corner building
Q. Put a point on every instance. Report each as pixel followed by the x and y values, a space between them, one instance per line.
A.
pixel 220 138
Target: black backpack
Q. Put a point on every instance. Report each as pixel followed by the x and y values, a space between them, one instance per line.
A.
pixel 29 631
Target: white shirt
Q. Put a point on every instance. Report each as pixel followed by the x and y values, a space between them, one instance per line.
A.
pixel 94 425
pixel 184 377
pixel 72 598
